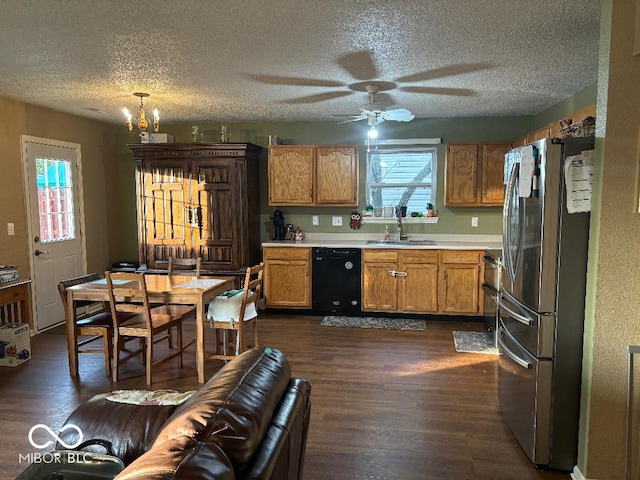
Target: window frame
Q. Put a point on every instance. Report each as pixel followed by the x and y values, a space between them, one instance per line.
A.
pixel 390 147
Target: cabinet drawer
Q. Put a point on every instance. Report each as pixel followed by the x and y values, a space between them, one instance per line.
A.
pixel 13 294
pixel 379 255
pixel 453 256
pixel 286 253
pixel 420 256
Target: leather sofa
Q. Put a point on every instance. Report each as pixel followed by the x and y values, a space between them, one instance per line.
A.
pixel 249 421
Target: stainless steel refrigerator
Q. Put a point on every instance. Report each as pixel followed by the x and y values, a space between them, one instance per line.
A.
pixel 542 301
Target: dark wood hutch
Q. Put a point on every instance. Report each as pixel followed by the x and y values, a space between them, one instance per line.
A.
pixel 198 199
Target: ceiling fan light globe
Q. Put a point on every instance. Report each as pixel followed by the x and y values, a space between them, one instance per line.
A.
pixel 373 133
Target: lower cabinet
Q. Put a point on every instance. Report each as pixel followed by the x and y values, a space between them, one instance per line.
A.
pixel 287 279
pixel 460 282
pixel 393 280
pixel 422 281
pixel 400 281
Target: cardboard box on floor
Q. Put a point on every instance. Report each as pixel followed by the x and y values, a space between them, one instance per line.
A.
pixel 15 344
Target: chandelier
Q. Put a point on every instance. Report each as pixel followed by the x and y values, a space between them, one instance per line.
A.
pixel 141 122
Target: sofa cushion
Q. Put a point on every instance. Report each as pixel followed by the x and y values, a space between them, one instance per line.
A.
pixel 234 408
pixel 181 458
pixel 130 428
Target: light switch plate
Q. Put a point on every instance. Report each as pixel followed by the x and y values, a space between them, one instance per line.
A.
pixel 11 229
pixel 336 221
pixel 315 220
pixel 474 221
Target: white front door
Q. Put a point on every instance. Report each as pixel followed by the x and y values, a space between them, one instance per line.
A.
pixel 52 176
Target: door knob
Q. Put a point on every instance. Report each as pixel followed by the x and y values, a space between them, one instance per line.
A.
pixel 40 252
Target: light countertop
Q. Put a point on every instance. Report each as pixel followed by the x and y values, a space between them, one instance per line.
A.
pixel 442 242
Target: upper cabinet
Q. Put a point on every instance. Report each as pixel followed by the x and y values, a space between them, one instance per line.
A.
pixel 474 174
pixel 313 175
pixel 553 130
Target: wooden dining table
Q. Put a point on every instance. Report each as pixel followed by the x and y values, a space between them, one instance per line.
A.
pixel 161 289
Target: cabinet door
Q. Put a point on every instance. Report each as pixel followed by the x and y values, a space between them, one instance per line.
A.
pixel 460 282
pixel 291 175
pixel 165 200
pixel 493 174
pixel 418 290
pixel 287 283
pixel 216 213
pixel 379 288
pixel 461 175
pixel 337 175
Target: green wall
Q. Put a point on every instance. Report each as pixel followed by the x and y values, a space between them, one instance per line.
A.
pixel 457 220
pixel 452 220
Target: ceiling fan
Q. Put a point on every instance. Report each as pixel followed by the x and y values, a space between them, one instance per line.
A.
pixel 375 113
pixel 361 66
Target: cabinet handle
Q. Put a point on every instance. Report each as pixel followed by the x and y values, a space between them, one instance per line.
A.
pixel 401 274
pixel 393 273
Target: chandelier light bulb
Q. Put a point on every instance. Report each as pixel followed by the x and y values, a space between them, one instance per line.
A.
pixel 141 122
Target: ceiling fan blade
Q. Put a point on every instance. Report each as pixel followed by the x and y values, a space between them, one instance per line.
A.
pixel 398 115
pixel 296 81
pixel 446 71
pixel 319 97
pixel 359 65
pixel 459 92
pixel 354 118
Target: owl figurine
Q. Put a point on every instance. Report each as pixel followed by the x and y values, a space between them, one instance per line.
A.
pixel 356 218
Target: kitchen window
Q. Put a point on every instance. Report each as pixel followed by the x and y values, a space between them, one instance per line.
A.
pixel 401 175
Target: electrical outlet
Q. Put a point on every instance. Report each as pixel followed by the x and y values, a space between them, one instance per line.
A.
pixel 336 221
pixel 11 229
pixel 315 220
pixel 474 221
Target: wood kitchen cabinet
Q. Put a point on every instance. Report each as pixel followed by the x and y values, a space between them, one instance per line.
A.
pixel 400 280
pixel 460 284
pixel 198 199
pixel 422 281
pixel 313 175
pixel 287 277
pixel 474 174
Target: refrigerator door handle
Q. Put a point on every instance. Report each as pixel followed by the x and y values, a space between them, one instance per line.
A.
pixel 520 361
pixel 522 319
pixel 511 264
pixel 490 290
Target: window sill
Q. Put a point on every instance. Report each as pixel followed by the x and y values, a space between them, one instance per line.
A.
pixel 405 220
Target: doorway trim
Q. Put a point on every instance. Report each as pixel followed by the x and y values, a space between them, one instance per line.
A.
pixel 78 190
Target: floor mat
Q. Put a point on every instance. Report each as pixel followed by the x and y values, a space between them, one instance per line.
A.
pixel 475 342
pixel 373 322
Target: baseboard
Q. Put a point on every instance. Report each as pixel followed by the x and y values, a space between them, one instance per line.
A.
pixel 576 474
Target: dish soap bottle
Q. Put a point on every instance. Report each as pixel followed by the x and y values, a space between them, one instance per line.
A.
pixel 386 233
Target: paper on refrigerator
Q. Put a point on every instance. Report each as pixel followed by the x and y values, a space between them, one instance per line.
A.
pixel 578 177
pixel 527 166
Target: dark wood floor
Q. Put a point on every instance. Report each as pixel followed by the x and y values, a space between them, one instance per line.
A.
pixel 386 404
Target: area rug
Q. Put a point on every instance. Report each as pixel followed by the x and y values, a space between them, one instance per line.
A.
pixel 373 322
pixel 474 342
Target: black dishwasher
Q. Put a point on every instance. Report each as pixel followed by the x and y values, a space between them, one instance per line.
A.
pixel 336 280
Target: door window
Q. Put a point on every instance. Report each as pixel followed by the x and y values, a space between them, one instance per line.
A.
pixel 55 200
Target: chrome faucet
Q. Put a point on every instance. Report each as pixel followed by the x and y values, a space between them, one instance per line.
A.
pixel 401 235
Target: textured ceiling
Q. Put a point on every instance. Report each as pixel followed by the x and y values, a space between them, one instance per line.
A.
pixel 296 60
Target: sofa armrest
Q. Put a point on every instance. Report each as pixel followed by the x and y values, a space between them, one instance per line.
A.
pixel 130 428
pixel 281 453
pixel 181 458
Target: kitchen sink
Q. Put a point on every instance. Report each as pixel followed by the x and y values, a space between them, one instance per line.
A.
pixel 401 242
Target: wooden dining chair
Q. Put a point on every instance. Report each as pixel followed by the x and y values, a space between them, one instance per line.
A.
pixel 232 312
pixel 93 320
pixel 128 295
pixel 184 266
